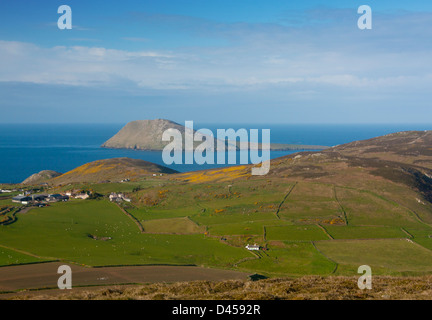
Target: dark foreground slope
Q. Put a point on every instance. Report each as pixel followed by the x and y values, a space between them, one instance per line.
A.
pixel 304 288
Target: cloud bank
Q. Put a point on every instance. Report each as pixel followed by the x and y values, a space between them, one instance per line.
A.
pixel 316 56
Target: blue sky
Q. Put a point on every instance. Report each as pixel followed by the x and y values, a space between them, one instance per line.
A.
pixel 216 61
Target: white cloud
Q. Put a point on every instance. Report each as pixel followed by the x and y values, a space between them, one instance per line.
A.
pixel 392 56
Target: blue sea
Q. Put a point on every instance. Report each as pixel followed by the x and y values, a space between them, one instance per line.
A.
pixel 29 148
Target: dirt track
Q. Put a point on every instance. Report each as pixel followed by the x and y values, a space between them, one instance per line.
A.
pixel 44 275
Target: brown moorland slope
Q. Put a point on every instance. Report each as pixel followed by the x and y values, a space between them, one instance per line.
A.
pixel 409 147
pixel 303 288
pixel 111 170
pixel 41 177
pixel 397 166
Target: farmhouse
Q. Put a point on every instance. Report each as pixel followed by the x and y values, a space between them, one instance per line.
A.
pixel 118 197
pixel 82 196
pixel 252 248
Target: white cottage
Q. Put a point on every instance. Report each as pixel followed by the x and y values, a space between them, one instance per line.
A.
pixel 252 248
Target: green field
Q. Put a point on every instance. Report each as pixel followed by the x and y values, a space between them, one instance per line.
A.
pixel 366 208
pixel 364 232
pixel 296 233
pixel 12 257
pixel 391 255
pixel 303 228
pixel 244 228
pixel 62 231
pixel 292 258
pixel 174 225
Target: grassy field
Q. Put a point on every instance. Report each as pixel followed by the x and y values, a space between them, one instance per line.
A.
pixel 63 231
pixel 12 257
pixel 296 233
pixel 292 258
pixel 174 225
pixel 389 255
pixel 304 227
pixel 311 200
pixel 366 208
pixel 244 228
pixel 364 232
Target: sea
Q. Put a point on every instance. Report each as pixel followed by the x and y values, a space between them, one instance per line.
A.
pixel 26 149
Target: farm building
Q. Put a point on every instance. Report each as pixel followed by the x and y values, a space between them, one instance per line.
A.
pixel 39 197
pixel 57 197
pixel 21 199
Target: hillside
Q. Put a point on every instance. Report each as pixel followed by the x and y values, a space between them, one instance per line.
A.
pixel 147 135
pixel 410 147
pixel 112 170
pixel 41 177
pixel 316 213
pixel 393 166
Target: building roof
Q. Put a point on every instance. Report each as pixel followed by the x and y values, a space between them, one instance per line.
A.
pixel 21 198
pixel 39 195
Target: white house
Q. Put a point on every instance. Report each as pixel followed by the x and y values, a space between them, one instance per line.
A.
pixel 118 197
pixel 252 248
pixel 113 196
pixel 82 196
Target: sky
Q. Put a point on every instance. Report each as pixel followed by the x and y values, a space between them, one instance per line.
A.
pixel 230 61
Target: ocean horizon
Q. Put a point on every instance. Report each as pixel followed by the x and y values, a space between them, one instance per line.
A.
pixel 26 149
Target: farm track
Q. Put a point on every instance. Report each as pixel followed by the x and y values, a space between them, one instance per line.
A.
pixel 135 220
pixel 407 233
pixel 325 231
pixel 411 211
pixel 27 253
pixel 282 202
pixel 325 256
pixel 415 214
pixel 340 205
